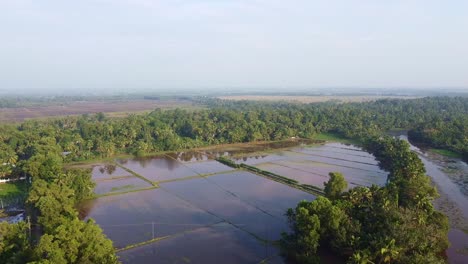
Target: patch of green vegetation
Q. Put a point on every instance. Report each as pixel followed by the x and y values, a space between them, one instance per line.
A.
pixel 272 176
pixel 2 213
pixel 195 177
pixel 142 243
pixel 121 188
pixel 446 153
pixel 159 238
pixel 335 137
pixel 115 178
pixel 13 189
pixel 123 192
pixel 137 175
pixel 449 170
pixel 268 174
pixel 186 260
pixel 228 162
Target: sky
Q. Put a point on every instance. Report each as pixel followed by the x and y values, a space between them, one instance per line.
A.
pixel 148 45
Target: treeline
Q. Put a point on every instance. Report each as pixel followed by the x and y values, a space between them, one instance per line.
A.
pixel 95 136
pixel 52 233
pixel 392 224
pixel 451 134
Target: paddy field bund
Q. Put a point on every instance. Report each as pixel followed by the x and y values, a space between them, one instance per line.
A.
pixel 188 207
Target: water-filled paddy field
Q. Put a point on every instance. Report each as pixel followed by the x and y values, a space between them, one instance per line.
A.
pixel 188 207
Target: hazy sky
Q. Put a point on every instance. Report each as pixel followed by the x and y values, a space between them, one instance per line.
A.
pixel 144 44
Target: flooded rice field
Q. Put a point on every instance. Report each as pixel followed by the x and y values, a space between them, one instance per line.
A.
pixel 112 179
pixel 179 207
pixel 221 243
pixel 311 165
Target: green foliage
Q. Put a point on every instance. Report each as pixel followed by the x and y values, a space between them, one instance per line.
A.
pixel 8 159
pixel 94 136
pixel 335 185
pixel 13 189
pixel 65 239
pixel 14 243
pixel 81 182
pixel 334 137
pixel 52 199
pixel 75 241
pixel 46 166
pixel 269 174
pixel 301 246
pixel 54 203
pixel 444 133
pixel 446 152
pixel 228 162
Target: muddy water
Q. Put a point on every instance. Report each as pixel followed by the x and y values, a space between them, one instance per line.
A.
pixel 453 202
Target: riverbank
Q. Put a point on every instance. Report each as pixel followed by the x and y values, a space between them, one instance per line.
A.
pixel 448 175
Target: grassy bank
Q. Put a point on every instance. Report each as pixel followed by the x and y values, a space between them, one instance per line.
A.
pixel 136 175
pixel 13 189
pixel 335 137
pixel 272 176
pixel 446 153
pixel 122 192
pixel 13 193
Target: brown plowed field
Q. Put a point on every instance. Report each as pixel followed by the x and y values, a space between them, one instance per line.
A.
pixel 114 108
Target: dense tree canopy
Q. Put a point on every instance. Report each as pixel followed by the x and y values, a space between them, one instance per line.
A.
pixel 335 186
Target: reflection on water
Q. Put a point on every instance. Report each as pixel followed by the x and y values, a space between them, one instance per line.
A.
pixel 228 211
pixel 107 168
pixel 458 251
pixel 225 203
pixel 312 164
pixel 220 243
pixel 112 179
pixel 107 171
pixel 270 196
pixel 159 161
pixel 159 168
pixel 132 217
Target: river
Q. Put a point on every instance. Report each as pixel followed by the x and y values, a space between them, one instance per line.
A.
pixel 452 201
